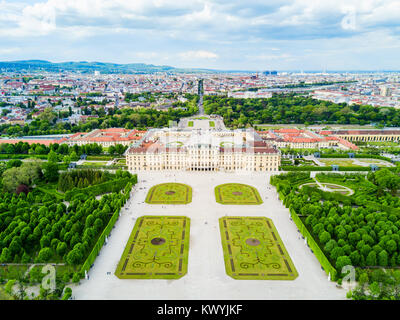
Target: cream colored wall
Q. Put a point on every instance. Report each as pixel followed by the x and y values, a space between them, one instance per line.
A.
pixel 183 161
pixel 367 138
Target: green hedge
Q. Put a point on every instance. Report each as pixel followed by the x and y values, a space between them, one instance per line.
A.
pixel 112 167
pixel 304 168
pixel 22 156
pixel 99 158
pixel 101 240
pixel 115 185
pixel 323 260
pixel 356 155
pixel 327 168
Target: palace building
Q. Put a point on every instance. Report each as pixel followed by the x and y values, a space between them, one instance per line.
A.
pixel 365 135
pixel 303 139
pixel 199 149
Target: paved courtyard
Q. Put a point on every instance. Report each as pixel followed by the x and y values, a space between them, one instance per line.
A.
pixel 206 277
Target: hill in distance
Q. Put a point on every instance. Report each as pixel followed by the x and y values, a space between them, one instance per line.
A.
pixel 89 67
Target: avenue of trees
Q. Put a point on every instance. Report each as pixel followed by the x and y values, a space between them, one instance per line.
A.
pixel 82 179
pixel 38 227
pixel 35 230
pixel 291 108
pixel 360 230
pixel 58 151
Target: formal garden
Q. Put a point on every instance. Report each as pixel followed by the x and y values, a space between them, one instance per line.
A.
pixel 175 144
pixel 236 193
pixel 361 229
pixel 253 250
pixel 48 217
pixel 355 162
pixel 330 187
pixel 158 248
pixel 227 144
pixel 169 193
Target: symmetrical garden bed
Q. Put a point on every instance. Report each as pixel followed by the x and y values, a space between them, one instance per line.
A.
pixel 169 193
pixel 236 193
pixel 330 187
pixel 253 250
pixel 157 249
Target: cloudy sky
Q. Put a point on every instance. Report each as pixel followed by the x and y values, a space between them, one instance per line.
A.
pixel 221 34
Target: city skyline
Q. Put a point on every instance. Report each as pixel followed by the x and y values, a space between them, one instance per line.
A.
pixel 285 35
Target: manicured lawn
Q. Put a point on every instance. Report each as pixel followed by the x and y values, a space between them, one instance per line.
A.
pixel 158 248
pixel 212 124
pixel 337 188
pixel 352 163
pixel 253 250
pixel 169 193
pixel 339 162
pixel 380 163
pixel 227 144
pixel 235 193
pixel 94 163
pixel 190 124
pixel 175 144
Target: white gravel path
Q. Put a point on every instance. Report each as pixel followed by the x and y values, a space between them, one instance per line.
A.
pixel 206 277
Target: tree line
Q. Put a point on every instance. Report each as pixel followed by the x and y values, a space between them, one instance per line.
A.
pixel 362 230
pixel 293 108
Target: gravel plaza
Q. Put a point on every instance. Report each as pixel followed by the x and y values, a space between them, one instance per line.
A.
pixel 206 277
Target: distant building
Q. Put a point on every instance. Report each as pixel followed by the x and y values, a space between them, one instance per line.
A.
pixel 385 91
pixel 304 139
pixel 106 137
pixel 364 135
pixel 270 73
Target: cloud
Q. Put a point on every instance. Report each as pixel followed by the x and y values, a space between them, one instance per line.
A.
pixel 210 32
pixel 196 55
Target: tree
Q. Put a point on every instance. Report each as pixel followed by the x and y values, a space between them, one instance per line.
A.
pixel 14 163
pixel 61 248
pixel 111 150
pixel 383 258
pixel 50 171
pixel 67 160
pixel 120 149
pixel 52 157
pixel 74 257
pixel 341 262
pixel 336 253
pixel 12 178
pixel 44 254
pixel 22 188
pixel 48 115
pixel 74 156
pixel 324 237
pixel 355 258
pixel 371 258
pixel 391 246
